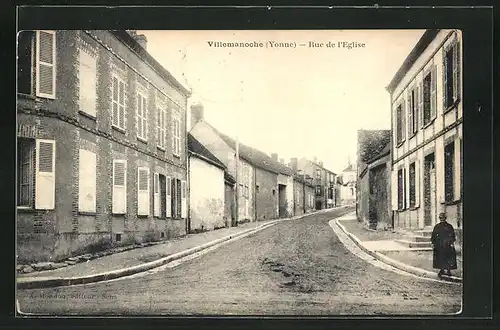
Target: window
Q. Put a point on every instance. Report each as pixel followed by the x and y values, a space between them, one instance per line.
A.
pixel 25 60
pixel 449 159
pixel 25 170
pixel 318 174
pixel 451 75
pixel 160 195
pixel 46 64
pixel 183 199
pixel 413 103
pixel 169 204
pixel 401 189
pixel 161 127
pixel 318 190
pixel 87 181
pixel 119 186
pixel 429 96
pixel 142 114
pixel 87 81
pixel 118 102
pixel 176 134
pixel 142 191
pixel 399 124
pixel 412 178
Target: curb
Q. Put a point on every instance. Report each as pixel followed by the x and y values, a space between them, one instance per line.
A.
pixel 50 282
pixel 399 265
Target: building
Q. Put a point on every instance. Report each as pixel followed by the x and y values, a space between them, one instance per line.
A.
pixel 211 190
pixel 374 178
pixel 324 181
pixel 304 194
pixel 102 150
pixel 426 108
pixel 348 185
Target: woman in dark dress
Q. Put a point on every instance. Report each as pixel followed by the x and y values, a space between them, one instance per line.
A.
pixel 443 242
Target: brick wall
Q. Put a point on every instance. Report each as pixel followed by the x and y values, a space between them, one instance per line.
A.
pixel 53 234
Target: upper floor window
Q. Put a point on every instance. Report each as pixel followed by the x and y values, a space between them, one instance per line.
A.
pixel 413 109
pixel 400 124
pixel 37 63
pixel 161 127
pixel 451 75
pixel 318 174
pixel 142 115
pixel 87 81
pixel 118 102
pixel 429 96
pixel 176 133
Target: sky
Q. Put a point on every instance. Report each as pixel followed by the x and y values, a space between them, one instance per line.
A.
pixel 297 101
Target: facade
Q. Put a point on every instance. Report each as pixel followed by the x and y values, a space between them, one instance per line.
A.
pixel 324 181
pixel 208 179
pixel 427 132
pixel 374 180
pixel 303 194
pixel 102 150
pixel 348 186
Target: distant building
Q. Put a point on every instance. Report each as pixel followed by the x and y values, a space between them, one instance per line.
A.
pixel 348 186
pixel 101 144
pixel 426 107
pixel 374 178
pixel 303 194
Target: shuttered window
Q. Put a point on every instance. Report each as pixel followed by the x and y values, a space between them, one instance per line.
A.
pixel 46 64
pixel 87 181
pixel 427 113
pixel 412 184
pixel 142 113
pixel 183 199
pixel 143 191
pixel 433 92
pixel 119 186
pixel 449 169
pixel 25 170
pixel 400 189
pixel 161 133
pixel 451 75
pixel 118 102
pixel 458 169
pixel 176 133
pixel 88 82
pixel 45 174
pixel 156 195
pixel 169 197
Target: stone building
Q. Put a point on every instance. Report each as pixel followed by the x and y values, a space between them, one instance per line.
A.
pixel 426 108
pixel 348 186
pixel 374 178
pixel 102 149
pixel 303 194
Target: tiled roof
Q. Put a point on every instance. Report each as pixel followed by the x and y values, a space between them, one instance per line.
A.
pixel 197 148
pixel 255 157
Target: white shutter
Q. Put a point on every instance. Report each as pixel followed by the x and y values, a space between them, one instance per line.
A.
pixel 119 186
pixel 433 92
pixel 88 83
pixel 183 200
pixel 45 181
pixel 156 194
pixel 87 181
pixel 394 189
pixel 142 191
pixel 417 183
pixel 46 64
pixel 457 180
pixel 169 197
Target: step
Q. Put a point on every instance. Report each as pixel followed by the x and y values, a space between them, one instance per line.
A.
pixel 424 233
pixel 418 238
pixel 412 244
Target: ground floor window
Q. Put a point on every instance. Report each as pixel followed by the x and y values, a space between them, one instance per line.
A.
pixel 449 157
pixel 25 171
pixel 412 180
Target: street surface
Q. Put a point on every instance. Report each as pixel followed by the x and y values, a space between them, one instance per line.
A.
pixel 293 268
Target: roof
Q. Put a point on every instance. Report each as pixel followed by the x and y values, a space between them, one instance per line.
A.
pixel 125 37
pixel 382 153
pixel 255 157
pixel 371 143
pixel 199 150
pixel 419 48
pixel 301 178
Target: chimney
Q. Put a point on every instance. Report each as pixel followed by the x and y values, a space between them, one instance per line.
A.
pixel 293 163
pixel 197 113
pixel 274 156
pixel 282 160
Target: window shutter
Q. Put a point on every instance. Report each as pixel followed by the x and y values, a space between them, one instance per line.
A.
pixel 457 180
pixel 433 92
pixel 88 82
pixel 403 121
pixel 445 78
pixel 417 183
pixel 183 200
pixel 405 190
pixel 119 187
pixel 420 111
pixel 121 105
pixel 156 195
pixel 410 114
pixel 138 121
pixel 87 181
pixel 169 197
pixel 46 64
pixel 142 191
pixel 394 189
pixel 456 71
pixel 45 175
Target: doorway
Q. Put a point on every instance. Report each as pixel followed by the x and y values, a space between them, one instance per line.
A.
pixel 430 202
pixel 282 201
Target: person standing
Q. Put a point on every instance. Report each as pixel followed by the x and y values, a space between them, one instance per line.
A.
pixel 443 242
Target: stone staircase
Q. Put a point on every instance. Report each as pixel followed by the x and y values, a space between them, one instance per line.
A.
pixel 420 239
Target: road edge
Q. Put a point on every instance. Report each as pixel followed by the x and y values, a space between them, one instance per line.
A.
pixel 394 263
